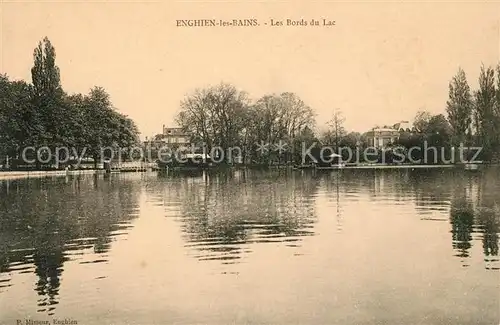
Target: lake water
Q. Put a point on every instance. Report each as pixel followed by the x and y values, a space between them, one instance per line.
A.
pixel 251 247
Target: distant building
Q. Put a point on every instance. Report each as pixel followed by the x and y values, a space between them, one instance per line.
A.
pixel 381 137
pixel 175 136
pixel 170 137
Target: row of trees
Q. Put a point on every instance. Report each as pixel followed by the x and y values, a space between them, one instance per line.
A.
pixel 472 118
pixel 224 116
pixel 42 114
pixel 474 115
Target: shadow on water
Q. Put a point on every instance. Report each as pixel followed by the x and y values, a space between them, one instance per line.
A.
pixel 45 223
pixel 223 213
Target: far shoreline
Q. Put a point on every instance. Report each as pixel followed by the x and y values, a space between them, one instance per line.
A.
pixel 13 174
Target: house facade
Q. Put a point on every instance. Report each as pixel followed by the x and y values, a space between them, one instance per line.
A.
pixel 174 136
pixel 382 137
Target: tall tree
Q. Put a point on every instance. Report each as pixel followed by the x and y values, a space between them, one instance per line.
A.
pixel 48 96
pixel 99 128
pixel 486 119
pixel 497 111
pixel 459 107
pixel 336 130
pixel 296 114
pixel 281 119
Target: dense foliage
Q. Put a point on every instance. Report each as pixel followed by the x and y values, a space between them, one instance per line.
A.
pixel 41 114
pixel 223 116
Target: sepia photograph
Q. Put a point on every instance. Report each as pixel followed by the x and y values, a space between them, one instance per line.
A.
pixel 249 162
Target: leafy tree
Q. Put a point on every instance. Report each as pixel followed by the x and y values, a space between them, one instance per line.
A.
pixel 421 121
pixel 438 131
pixel 214 115
pixel 284 118
pixel 42 114
pixel 224 116
pixel 351 140
pixel 304 139
pixel 100 129
pixel 18 119
pixel 297 116
pixel 78 123
pixel 459 107
pixel 496 113
pixel 486 119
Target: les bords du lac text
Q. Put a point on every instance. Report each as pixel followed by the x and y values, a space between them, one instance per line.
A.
pixel 252 22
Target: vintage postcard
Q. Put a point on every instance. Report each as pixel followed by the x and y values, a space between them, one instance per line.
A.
pixel 249 162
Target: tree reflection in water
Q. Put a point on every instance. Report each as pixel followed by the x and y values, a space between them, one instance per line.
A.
pixel 468 201
pixel 45 223
pixel 473 199
pixel 475 213
pixel 462 221
pixel 223 213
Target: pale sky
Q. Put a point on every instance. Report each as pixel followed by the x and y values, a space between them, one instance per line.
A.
pixel 380 64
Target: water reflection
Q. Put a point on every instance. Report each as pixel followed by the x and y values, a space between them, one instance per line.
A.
pixel 468 201
pixel 45 223
pixel 462 221
pixel 474 214
pixel 489 219
pixel 359 233
pixel 224 213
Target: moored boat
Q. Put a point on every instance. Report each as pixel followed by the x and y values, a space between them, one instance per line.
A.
pixel 471 166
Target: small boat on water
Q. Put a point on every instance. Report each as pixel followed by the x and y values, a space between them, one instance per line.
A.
pixel 334 161
pixel 471 167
